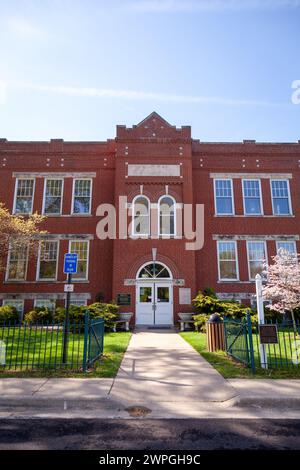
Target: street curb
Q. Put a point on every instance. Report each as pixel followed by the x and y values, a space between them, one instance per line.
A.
pixel 104 403
pixel 266 402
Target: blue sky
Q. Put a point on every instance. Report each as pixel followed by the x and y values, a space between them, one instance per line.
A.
pixel 74 69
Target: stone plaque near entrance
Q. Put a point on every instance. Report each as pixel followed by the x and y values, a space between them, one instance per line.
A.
pixel 123 299
pixel 185 296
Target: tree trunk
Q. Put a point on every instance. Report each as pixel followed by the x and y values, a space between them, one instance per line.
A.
pixel 294 324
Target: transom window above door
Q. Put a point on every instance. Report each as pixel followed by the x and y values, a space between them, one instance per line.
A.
pixel 154 271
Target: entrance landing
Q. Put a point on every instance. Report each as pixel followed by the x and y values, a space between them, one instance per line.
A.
pixel 160 367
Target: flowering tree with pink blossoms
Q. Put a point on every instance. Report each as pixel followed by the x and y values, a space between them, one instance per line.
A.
pixel 282 287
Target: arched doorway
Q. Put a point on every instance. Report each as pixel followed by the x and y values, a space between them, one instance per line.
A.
pixel 154 295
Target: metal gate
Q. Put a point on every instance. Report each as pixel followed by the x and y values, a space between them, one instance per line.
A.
pixel 239 341
pixel 93 341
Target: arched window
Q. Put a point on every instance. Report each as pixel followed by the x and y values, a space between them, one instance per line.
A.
pixel 167 222
pixel 141 216
pixel 154 271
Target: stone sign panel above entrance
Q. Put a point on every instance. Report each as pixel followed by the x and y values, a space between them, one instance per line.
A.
pixel 153 170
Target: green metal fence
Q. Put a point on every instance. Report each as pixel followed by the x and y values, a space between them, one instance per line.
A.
pixel 283 354
pixel 40 346
pixel 242 342
pixel 239 341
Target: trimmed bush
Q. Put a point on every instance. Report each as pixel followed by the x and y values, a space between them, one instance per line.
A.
pixel 39 315
pixel 8 314
pixel 106 311
pixel 97 310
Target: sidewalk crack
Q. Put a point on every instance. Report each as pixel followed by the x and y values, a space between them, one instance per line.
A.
pixel 39 388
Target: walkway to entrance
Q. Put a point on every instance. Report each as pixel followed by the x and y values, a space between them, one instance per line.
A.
pixel 160 367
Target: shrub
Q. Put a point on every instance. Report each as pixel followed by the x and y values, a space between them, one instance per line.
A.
pixel 8 314
pixel 39 315
pixel 97 310
pixel 106 311
pixel 208 304
pixel 200 321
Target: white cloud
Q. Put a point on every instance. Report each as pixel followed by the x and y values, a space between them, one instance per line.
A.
pixel 3 92
pixel 209 5
pixel 150 96
pixel 23 28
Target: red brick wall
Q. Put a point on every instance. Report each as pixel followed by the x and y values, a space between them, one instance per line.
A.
pixel 158 143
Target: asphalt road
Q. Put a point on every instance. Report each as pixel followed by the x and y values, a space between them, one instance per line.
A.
pixel 149 434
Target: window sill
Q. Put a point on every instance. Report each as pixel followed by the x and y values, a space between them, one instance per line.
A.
pixel 43 281
pixel 235 282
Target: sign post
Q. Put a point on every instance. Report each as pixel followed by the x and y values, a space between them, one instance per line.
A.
pixel 261 319
pixel 70 267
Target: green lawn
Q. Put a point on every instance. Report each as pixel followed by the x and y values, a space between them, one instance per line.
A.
pixel 47 349
pixel 231 369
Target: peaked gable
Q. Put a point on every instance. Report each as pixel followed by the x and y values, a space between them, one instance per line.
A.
pixel 153 127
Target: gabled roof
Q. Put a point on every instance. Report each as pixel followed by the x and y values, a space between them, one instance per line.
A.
pixel 153 127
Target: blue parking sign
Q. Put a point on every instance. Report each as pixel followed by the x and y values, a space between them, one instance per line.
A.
pixel 70 263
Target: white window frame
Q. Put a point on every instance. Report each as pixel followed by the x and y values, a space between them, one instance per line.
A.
pixel 248 259
pixel 61 198
pixel 133 233
pixel 46 301
pixel 232 197
pixel 15 196
pixel 260 198
pixel 286 241
pixel 7 278
pixel 87 261
pixel 39 258
pixel 237 278
pixel 10 301
pixel 289 197
pixel 167 235
pixel 73 197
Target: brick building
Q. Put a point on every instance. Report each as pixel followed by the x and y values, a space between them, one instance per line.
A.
pixel 251 197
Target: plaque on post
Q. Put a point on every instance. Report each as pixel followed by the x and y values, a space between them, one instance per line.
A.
pixel 268 334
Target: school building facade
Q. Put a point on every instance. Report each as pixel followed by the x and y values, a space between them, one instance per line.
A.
pixel 248 195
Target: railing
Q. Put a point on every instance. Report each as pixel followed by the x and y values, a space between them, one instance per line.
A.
pixel 285 353
pixel 40 346
pixel 242 342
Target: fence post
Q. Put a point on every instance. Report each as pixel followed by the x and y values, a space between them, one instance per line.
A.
pixel 261 319
pixel 86 340
pixel 251 349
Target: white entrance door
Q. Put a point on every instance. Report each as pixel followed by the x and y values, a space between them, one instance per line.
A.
pixel 154 303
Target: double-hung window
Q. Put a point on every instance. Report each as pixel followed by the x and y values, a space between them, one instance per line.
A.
pixel 82 193
pixel 166 209
pixel 227 261
pixel 82 249
pixel 24 191
pixel 141 216
pixel 17 263
pixel 290 247
pixel 256 257
pixel 48 256
pixel 281 197
pixel 53 196
pixel 224 197
pixel 17 304
pixel 252 197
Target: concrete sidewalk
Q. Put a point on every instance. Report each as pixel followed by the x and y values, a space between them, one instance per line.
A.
pixel 162 373
pixel 159 366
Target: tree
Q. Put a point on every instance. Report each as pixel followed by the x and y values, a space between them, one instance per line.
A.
pixel 283 284
pixel 18 232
